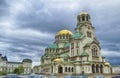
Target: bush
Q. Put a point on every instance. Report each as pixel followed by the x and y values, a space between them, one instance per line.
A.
pixel 3 73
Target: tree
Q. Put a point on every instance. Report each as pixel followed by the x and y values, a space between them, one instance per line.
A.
pixel 16 71
pixel 3 73
pixel 21 69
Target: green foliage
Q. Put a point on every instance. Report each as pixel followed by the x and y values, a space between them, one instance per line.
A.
pixel 3 73
pixel 16 71
pixel 21 69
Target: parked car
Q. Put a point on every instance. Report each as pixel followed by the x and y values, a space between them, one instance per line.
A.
pixel 117 76
pixel 12 76
pixel 100 76
pixel 35 76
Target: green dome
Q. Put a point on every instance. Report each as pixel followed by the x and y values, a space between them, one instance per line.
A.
pixel 27 60
pixel 84 54
pixel 66 45
pixel 44 56
pixel 77 35
pixel 53 46
pixel 64 56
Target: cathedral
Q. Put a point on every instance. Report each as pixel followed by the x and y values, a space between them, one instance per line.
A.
pixel 75 53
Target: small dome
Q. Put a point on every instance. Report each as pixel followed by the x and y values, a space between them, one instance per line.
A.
pixel 107 63
pixel 44 56
pixel 64 56
pixel 84 54
pixel 57 60
pixel 27 60
pixel 64 32
pixel 81 13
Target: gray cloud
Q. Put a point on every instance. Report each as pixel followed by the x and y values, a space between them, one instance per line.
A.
pixel 27 26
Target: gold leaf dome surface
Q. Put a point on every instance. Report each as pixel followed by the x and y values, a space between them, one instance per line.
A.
pixel 107 63
pixel 57 60
pixel 65 32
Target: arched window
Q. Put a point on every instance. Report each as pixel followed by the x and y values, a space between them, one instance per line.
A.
pixel 89 34
pixel 63 36
pixel 52 69
pixel 65 69
pixel 93 68
pixel 101 68
pixel 87 18
pixel 60 37
pixel 77 52
pixel 72 69
pixel 94 51
pixel 97 68
pixel 83 18
pixel 67 36
pixel 69 69
pixel 60 69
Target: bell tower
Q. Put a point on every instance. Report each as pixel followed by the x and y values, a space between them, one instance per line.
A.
pixel 83 17
pixel 84 25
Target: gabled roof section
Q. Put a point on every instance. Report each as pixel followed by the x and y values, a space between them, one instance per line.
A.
pixel 53 46
pixel 66 45
pixel 77 35
pixel 96 41
pixel 88 44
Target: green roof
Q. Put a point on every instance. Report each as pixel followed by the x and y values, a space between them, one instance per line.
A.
pixel 64 56
pixel 77 35
pixel 53 46
pixel 27 60
pixel 44 57
pixel 79 26
pixel 67 44
pixel 84 54
pixel 87 45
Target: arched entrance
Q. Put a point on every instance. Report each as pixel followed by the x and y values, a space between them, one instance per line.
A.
pixel 60 69
pixel 101 68
pixel 93 68
pixel 97 68
pixel 69 69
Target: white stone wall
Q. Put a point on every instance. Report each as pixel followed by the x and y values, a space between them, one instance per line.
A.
pixel 116 69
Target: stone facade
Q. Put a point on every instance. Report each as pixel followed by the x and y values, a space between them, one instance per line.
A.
pixel 75 53
pixel 36 69
pixel 9 67
pixel 116 69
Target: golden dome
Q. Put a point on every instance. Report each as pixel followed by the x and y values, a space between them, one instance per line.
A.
pixel 64 32
pixel 107 63
pixel 57 60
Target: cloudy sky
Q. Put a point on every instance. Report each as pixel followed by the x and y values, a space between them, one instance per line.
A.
pixel 27 27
